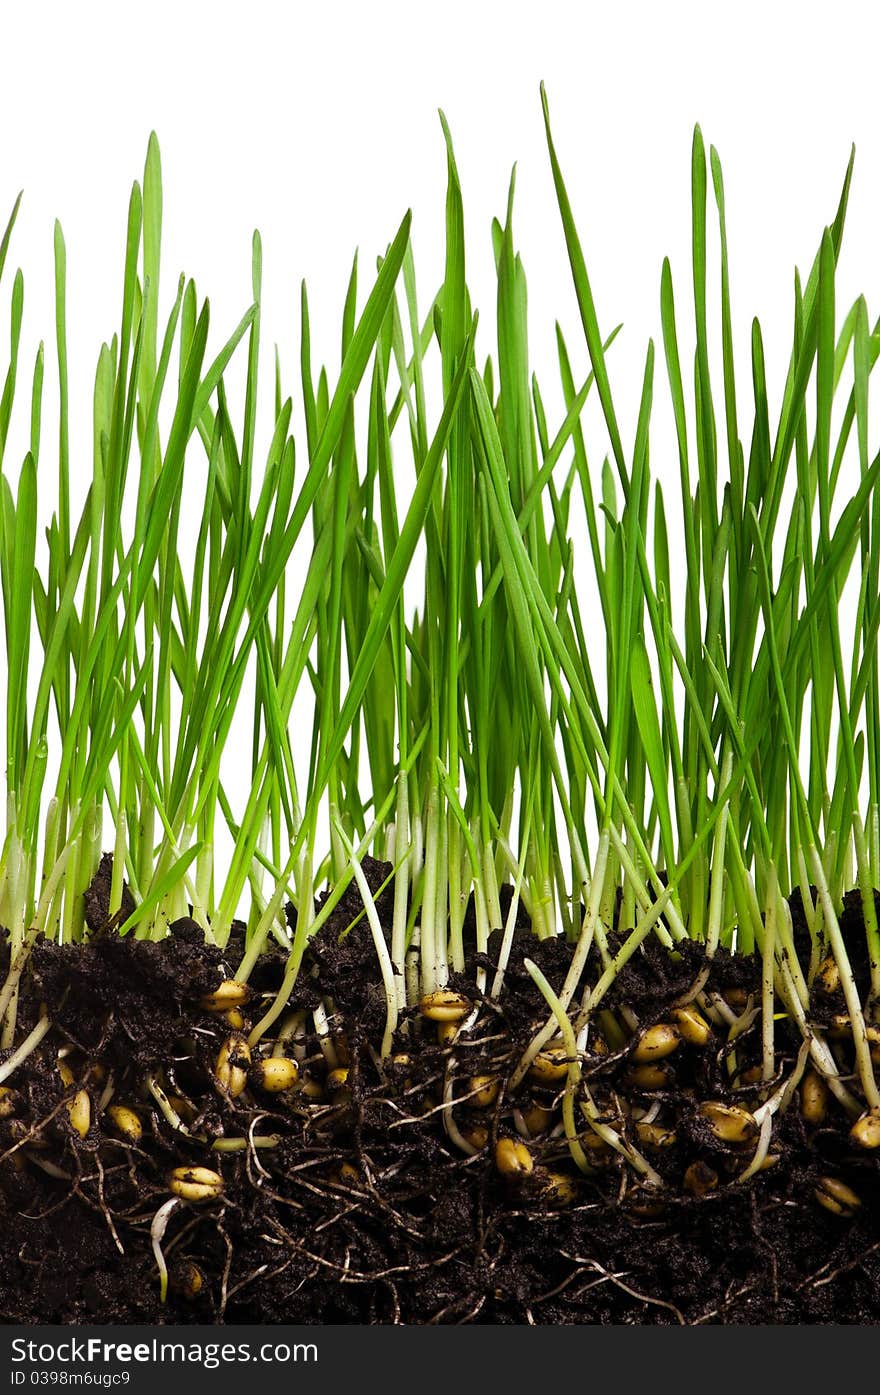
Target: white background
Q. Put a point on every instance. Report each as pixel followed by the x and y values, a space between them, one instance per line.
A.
pixel 317 123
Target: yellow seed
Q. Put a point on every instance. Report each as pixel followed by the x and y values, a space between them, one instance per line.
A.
pixel 736 998
pixel 646 1210
pixel 536 1118
pixel 650 1075
pixel 79 1111
pixel 866 1130
pixel 444 1006
pixel 347 1175
pixel 188 1279
pixel 234 1018
pixel 814 1097
pixel 8 1102
pixel 337 1079
pixel 828 975
pixel 513 1158
pixel 477 1136
pixel 483 1091
pixel 229 994
pixel 65 1072
pixel 195 1183
pixel 656 1042
pixel 730 1123
pixel 125 1122
pixel 750 1076
pixel 557 1189
pixel 233 1060
pixel 275 1074
pixel 836 1197
pixel 654 1135
pixel 550 1065
pixel 182 1108
pixel 699 1179
pixel 692 1025
pixel 594 1143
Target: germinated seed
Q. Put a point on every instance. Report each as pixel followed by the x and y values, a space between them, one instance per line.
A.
pixel 513 1158
pixel 483 1091
pixel 536 1118
pixel 866 1130
pixel 557 1189
pixel 814 1097
pixel 730 1123
pixel 274 1074
pixel 692 1025
pixel 195 1183
pixel 125 1122
pixel 229 994
pixel 444 1006
pixel 700 1178
pixel 649 1076
pixel 550 1065
pixel 656 1042
pixel 231 1074
pixel 654 1135
pixel 79 1111
pixel 828 975
pixel 837 1197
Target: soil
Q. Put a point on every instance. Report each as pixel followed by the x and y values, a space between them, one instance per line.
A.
pixel 365 1211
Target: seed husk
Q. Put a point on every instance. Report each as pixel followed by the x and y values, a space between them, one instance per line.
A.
pixel 444 1006
pixel 230 1074
pixel 866 1129
pixel 657 1042
pixel 8 1102
pixel 337 1079
pixel 126 1123
pixel 483 1091
pixel 730 1123
pixel 79 1111
pixel 66 1074
pixel 512 1158
pixel 195 1183
pixel 311 1089
pixel 837 1197
pixel 347 1175
pixel 692 1025
pixel 274 1074
pixel 228 994
pixel 700 1178
pixel 814 1097
pixel 550 1065
pixel 234 1018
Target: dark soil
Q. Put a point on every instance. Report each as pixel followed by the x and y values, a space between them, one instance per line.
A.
pixel 366 1211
